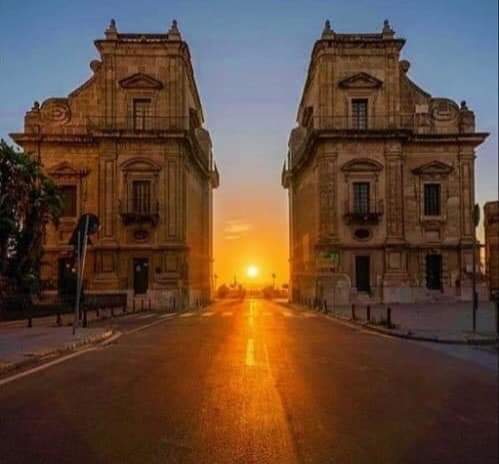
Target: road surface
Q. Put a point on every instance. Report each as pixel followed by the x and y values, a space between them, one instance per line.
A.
pixel 252 382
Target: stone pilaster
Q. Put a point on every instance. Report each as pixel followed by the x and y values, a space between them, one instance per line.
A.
pixel 327 167
pixel 394 213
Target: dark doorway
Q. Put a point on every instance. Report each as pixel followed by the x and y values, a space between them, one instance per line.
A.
pixel 66 282
pixel 140 275
pixel 362 272
pixel 434 272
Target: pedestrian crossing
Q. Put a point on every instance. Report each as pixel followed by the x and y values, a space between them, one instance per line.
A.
pixel 224 314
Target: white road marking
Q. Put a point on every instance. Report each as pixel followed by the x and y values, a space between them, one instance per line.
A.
pixel 146 316
pixel 250 352
pixel 167 315
pixel 187 315
pixel 227 314
pixel 208 314
pixel 287 314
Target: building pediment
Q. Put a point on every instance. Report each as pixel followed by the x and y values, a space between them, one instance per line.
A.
pixel 140 164
pixel 360 80
pixel 362 165
pixel 65 169
pixel 141 81
pixel 434 167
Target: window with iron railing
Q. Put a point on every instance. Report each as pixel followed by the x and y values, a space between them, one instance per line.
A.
pixel 141 113
pixel 361 198
pixel 141 197
pixel 359 113
pixel 432 200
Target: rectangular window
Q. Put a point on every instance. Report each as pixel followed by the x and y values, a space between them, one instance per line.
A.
pixel 68 193
pixel 359 113
pixel 141 113
pixel 141 199
pixel 432 199
pixel 361 197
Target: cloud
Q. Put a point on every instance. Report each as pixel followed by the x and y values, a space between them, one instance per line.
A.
pixel 234 229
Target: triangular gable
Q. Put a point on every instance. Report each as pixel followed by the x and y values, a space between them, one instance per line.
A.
pixel 65 169
pixel 140 81
pixel 361 80
pixel 434 167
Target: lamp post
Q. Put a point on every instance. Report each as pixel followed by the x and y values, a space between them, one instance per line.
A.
pixel 474 299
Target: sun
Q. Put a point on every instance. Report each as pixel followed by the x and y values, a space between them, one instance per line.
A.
pixel 252 271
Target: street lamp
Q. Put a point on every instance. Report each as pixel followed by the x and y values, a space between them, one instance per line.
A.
pixel 476 220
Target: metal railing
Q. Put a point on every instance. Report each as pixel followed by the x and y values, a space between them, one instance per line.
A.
pixel 131 123
pixel 132 211
pixel 362 124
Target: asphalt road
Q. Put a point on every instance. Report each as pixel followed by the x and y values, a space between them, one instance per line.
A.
pixel 252 382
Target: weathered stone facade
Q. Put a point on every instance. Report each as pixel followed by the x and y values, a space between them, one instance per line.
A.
pixel 128 145
pixel 380 176
pixel 491 226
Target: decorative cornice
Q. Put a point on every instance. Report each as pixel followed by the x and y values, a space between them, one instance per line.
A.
pixel 140 81
pixel 360 80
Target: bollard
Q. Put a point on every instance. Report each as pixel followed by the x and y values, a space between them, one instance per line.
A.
pixel 142 304
pixel 388 317
pixel 368 313
pixel 497 316
pixel 97 312
pixel 149 303
pixel 353 312
pixel 58 319
pixel 124 307
pixel 85 317
pixel 325 306
pixel 133 305
pixel 112 311
pixel 30 321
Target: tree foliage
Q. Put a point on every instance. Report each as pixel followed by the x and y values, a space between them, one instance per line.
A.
pixel 29 199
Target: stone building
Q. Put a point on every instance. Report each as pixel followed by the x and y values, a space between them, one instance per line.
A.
pixel 380 177
pixel 129 146
pixel 491 226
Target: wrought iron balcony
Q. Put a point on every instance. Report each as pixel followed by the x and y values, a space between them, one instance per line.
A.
pixel 363 124
pixel 137 124
pixel 363 217
pixel 133 212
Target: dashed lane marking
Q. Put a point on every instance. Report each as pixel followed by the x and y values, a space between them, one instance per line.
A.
pixel 146 316
pixel 227 314
pixel 165 316
pixel 208 314
pixel 187 315
pixel 250 352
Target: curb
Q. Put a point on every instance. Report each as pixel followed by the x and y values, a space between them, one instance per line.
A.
pixel 52 353
pixel 406 335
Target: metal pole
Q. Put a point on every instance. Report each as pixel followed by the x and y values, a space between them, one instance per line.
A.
pixel 473 281
pixel 85 234
pixel 77 303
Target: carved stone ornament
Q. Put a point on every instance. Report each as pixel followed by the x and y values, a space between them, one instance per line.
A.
pixel 443 109
pixel 360 80
pixel 55 111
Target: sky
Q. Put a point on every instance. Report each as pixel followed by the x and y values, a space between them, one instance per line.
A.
pixel 250 60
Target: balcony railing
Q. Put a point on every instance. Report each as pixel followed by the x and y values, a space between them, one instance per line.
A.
pixel 362 124
pixel 143 124
pixel 133 212
pixel 363 217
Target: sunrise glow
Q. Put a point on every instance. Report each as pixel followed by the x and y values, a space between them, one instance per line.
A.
pixel 252 272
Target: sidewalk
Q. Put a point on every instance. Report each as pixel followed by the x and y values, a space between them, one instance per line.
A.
pixel 20 347
pixel 442 322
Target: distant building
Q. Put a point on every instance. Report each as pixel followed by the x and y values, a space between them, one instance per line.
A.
pixel 129 146
pixel 491 225
pixel 380 176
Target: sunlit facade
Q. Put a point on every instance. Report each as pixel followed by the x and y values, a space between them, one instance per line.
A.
pixel 380 176
pixel 129 146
